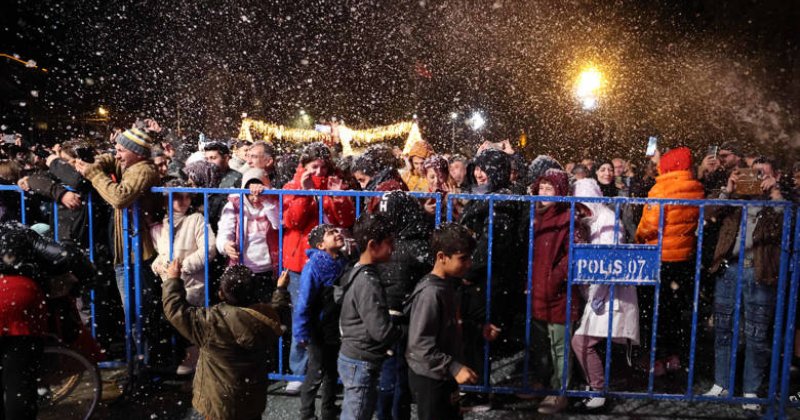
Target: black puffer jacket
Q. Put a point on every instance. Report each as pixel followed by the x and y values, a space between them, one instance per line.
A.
pixel 411 259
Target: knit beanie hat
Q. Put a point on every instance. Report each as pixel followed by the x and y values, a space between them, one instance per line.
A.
pixel 420 149
pixel 540 165
pixel 136 140
pixel 678 159
pixel 316 235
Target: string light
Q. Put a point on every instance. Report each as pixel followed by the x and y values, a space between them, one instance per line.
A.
pixel 252 130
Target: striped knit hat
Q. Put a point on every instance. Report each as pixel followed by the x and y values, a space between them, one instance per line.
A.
pixel 136 140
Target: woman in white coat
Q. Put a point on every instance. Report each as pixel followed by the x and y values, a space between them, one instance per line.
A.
pixel 593 328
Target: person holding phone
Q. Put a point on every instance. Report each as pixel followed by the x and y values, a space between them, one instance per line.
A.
pixel 300 216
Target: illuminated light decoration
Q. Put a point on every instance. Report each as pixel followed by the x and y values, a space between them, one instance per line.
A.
pixel 588 87
pixel 477 121
pixel 413 136
pixel 255 130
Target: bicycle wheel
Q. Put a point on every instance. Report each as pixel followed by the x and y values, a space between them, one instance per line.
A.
pixel 70 386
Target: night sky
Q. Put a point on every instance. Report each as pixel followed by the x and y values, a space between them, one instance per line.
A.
pixel 694 72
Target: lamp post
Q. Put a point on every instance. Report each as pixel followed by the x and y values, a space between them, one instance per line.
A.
pixel 453 118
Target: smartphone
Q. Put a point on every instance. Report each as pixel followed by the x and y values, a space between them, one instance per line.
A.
pixel 713 151
pixel 9 138
pixel 652 143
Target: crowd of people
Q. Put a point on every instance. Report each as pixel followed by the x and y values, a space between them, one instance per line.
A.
pixel 389 303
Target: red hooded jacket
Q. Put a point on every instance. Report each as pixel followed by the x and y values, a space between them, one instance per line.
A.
pixel 301 214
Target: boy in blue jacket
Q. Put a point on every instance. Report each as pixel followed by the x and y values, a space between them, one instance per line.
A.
pixel 315 319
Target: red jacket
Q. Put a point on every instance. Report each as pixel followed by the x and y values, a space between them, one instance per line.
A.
pixel 301 214
pixel 22 307
pixel 551 265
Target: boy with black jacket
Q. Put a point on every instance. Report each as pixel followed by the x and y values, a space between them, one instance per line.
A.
pixel 435 345
pixel 315 322
pixel 367 330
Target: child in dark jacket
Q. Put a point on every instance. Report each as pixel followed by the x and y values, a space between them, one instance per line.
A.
pixel 367 331
pixel 314 325
pixel 234 337
pixel 435 345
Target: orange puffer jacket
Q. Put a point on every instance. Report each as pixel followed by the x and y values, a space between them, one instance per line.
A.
pixel 680 222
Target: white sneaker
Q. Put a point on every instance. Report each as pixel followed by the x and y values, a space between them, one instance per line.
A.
pixel 189 362
pixel 594 403
pixel 751 406
pixel 716 391
pixel 293 387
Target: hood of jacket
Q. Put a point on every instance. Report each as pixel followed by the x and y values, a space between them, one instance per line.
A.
pixel 325 265
pixel 497 166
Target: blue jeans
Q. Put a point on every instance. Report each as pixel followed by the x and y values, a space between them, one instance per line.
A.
pixel 759 308
pixel 360 380
pixel 298 358
pixel 394 399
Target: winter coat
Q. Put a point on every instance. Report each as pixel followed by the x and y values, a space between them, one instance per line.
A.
pixel 766 242
pixel 435 345
pixel 23 311
pixel 413 181
pixel 594 322
pixel 188 246
pixel 551 264
pixel 412 258
pixel 301 214
pixel 367 331
pixel 319 273
pixel 260 228
pixel 680 222
pixel 386 180
pixel 121 188
pixel 235 345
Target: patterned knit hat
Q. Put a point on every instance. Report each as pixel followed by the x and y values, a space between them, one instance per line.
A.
pixel 136 140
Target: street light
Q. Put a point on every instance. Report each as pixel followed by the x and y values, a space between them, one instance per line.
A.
pixel 588 87
pixel 477 121
pixel 102 111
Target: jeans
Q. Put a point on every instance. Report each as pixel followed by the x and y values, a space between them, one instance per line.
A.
pixel 360 380
pixel 394 397
pixel 759 308
pixel 320 376
pixel 548 341
pixel 298 358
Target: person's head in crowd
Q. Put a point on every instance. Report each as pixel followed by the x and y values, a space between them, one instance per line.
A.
pixel 452 245
pixel 492 171
pixel 316 159
pixel 605 173
pixel 254 176
pixel 569 166
pixel 403 210
pixel 327 238
pixel 10 171
pixel 169 144
pixel 580 172
pixel 238 286
pixel 374 238
pixel 219 154
pixel 133 146
pixel 285 168
pixel 796 174
pixel 181 201
pixel 437 173
pixel 677 159
pixel 730 155
pixel 554 183
pixel 619 166
pixel 239 149
pixel 417 155
pixel 540 165
pixel 458 169
pixel 202 174
pixel 261 155
pixel 344 167
pixel 375 159
pixel 161 161
pixel 588 163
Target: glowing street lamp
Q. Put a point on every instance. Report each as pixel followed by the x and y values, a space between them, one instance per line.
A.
pixel 101 111
pixel 588 87
pixel 476 121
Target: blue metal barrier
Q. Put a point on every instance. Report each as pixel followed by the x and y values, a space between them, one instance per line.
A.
pixel 777 398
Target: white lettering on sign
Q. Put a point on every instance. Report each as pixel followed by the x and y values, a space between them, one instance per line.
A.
pixel 616 268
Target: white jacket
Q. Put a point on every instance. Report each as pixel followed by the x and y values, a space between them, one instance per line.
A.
pixel 187 246
pixel 626 308
pixel 258 223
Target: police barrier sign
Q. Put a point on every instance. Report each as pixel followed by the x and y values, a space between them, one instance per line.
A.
pixel 615 263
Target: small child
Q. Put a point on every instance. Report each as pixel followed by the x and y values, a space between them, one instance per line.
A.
pixel 367 331
pixel 234 337
pixel 435 345
pixel 314 323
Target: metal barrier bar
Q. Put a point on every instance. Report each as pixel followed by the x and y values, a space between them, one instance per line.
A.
pixel 695 300
pixel 206 280
pixel 240 227
pixel 791 319
pixel 529 297
pixel 656 301
pixel 567 324
pixel 487 320
pixel 137 275
pixel 127 296
pixel 738 302
pixel 92 302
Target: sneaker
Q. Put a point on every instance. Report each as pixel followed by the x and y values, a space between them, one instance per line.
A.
pixel 476 403
pixel 293 387
pixel 553 404
pixel 751 406
pixel 716 391
pixel 189 362
pixel 591 404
